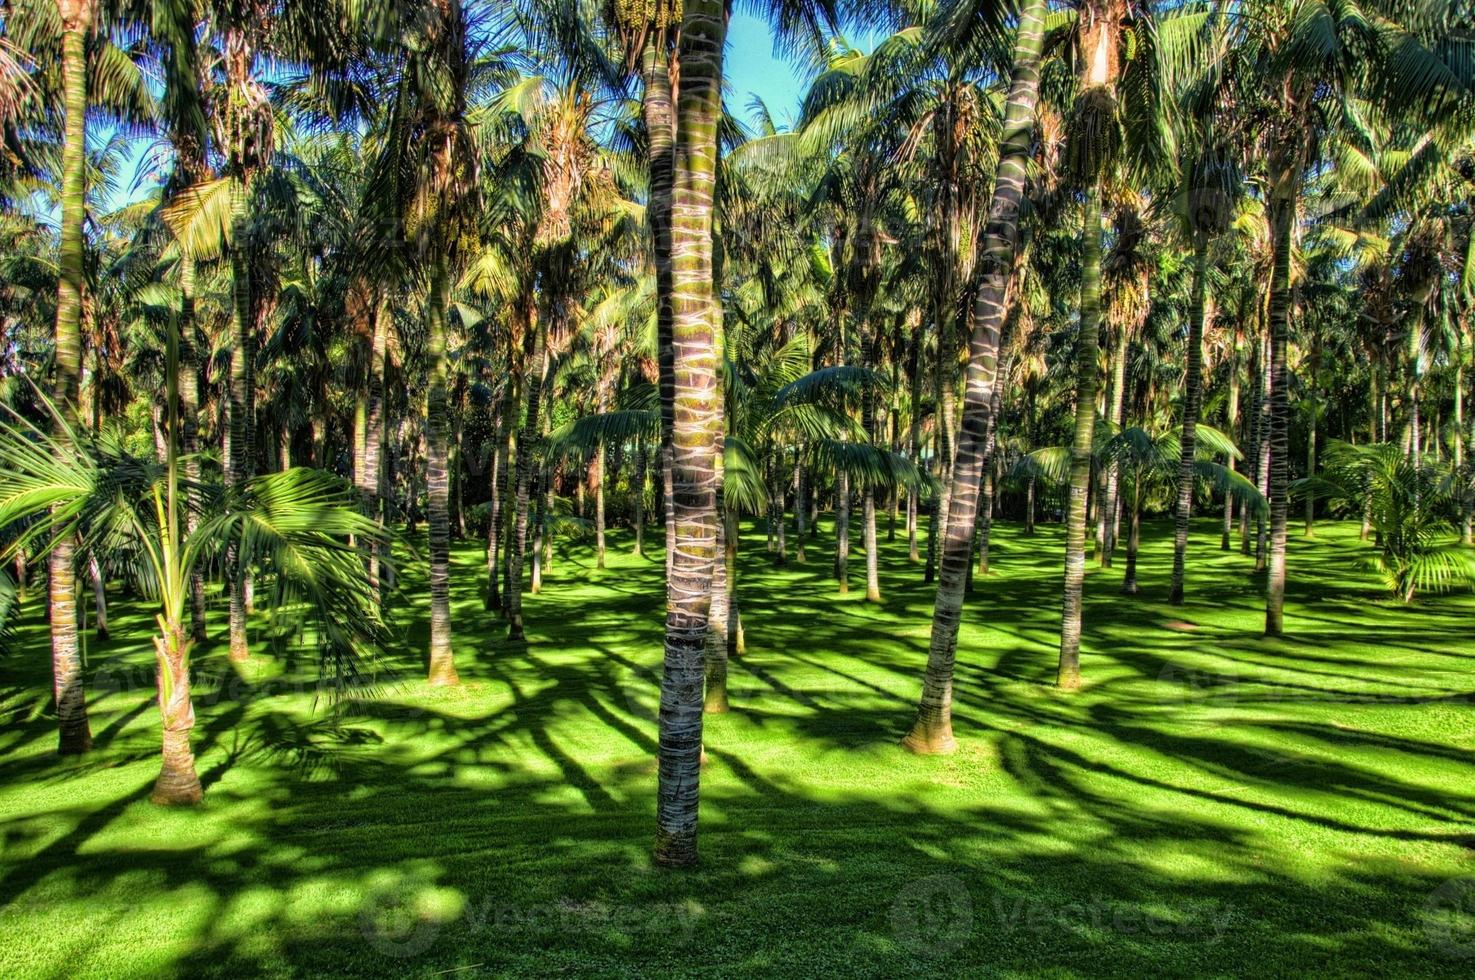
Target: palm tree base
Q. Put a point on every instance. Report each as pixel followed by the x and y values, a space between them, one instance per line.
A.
pixel 930 739
pixel 676 850
pixel 75 743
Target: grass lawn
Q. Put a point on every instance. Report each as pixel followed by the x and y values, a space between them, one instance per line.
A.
pixel 1210 803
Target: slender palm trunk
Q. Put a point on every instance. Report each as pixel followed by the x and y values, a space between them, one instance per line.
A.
pixel 239 408
pixel 189 410
pixel 1188 440
pixel 442 668
pixel 842 531
pixel 696 431
pixel 1108 494
pixel 1087 345
pixel 1282 218
pixel 1232 411
pixel 538 366
pixel 933 729
pixel 75 734
pixel 801 507
pixel 368 468
pixel 597 478
pixel 1134 539
pixel 660 127
pixel 637 490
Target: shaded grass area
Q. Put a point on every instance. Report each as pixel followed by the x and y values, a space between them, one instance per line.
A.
pixel 1210 803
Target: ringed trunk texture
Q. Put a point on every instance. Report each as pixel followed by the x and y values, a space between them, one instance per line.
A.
pixel 1188 440
pixel 442 669
pixel 178 783
pixel 75 734
pixel 932 731
pixel 539 360
pixel 1068 675
pixel 660 127
pixel 696 432
pixel 1283 210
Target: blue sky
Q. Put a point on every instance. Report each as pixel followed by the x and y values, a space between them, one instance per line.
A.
pixel 752 69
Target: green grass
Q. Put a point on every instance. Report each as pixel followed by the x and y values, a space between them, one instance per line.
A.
pixel 1210 803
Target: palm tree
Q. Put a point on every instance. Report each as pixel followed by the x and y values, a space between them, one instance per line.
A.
pixel 932 730
pixel 71 701
pixel 696 429
pixel 58 37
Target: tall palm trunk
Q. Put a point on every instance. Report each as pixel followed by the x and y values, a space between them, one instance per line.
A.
pixel 1188 440
pixel 497 464
pixel 189 430
pixel 637 488
pixel 442 668
pixel 1109 495
pixel 1134 537
pixel 696 431
pixel 239 409
pixel 1282 216
pixel 933 729
pixel 660 127
pixel 1232 412
pixel 842 531
pixel 538 366
pixel 75 734
pixel 1087 344
pixel 368 472
pixel 801 508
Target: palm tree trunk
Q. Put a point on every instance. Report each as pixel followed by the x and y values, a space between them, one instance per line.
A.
pixel 1108 496
pixel 237 456
pixel 178 784
pixel 1087 344
pixel 933 729
pixel 719 624
pixel 1282 218
pixel 637 488
pixel 189 409
pixel 801 508
pixel 842 531
pixel 1232 410
pixel 660 127
pixel 696 431
pixel 1134 539
pixel 1262 457
pixel 442 669
pixel 1188 440
pixel 538 365
pixel 75 734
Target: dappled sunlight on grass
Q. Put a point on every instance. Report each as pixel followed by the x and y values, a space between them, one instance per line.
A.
pixel 1210 801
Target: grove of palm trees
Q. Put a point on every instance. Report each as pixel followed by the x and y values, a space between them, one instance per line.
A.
pixel 483 492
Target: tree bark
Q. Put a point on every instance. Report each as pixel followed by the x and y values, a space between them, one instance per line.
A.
pixel 1188 439
pixel 442 668
pixel 538 363
pixel 696 431
pixel 1087 344
pixel 932 731
pixel 178 784
pixel 1286 173
pixel 75 734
